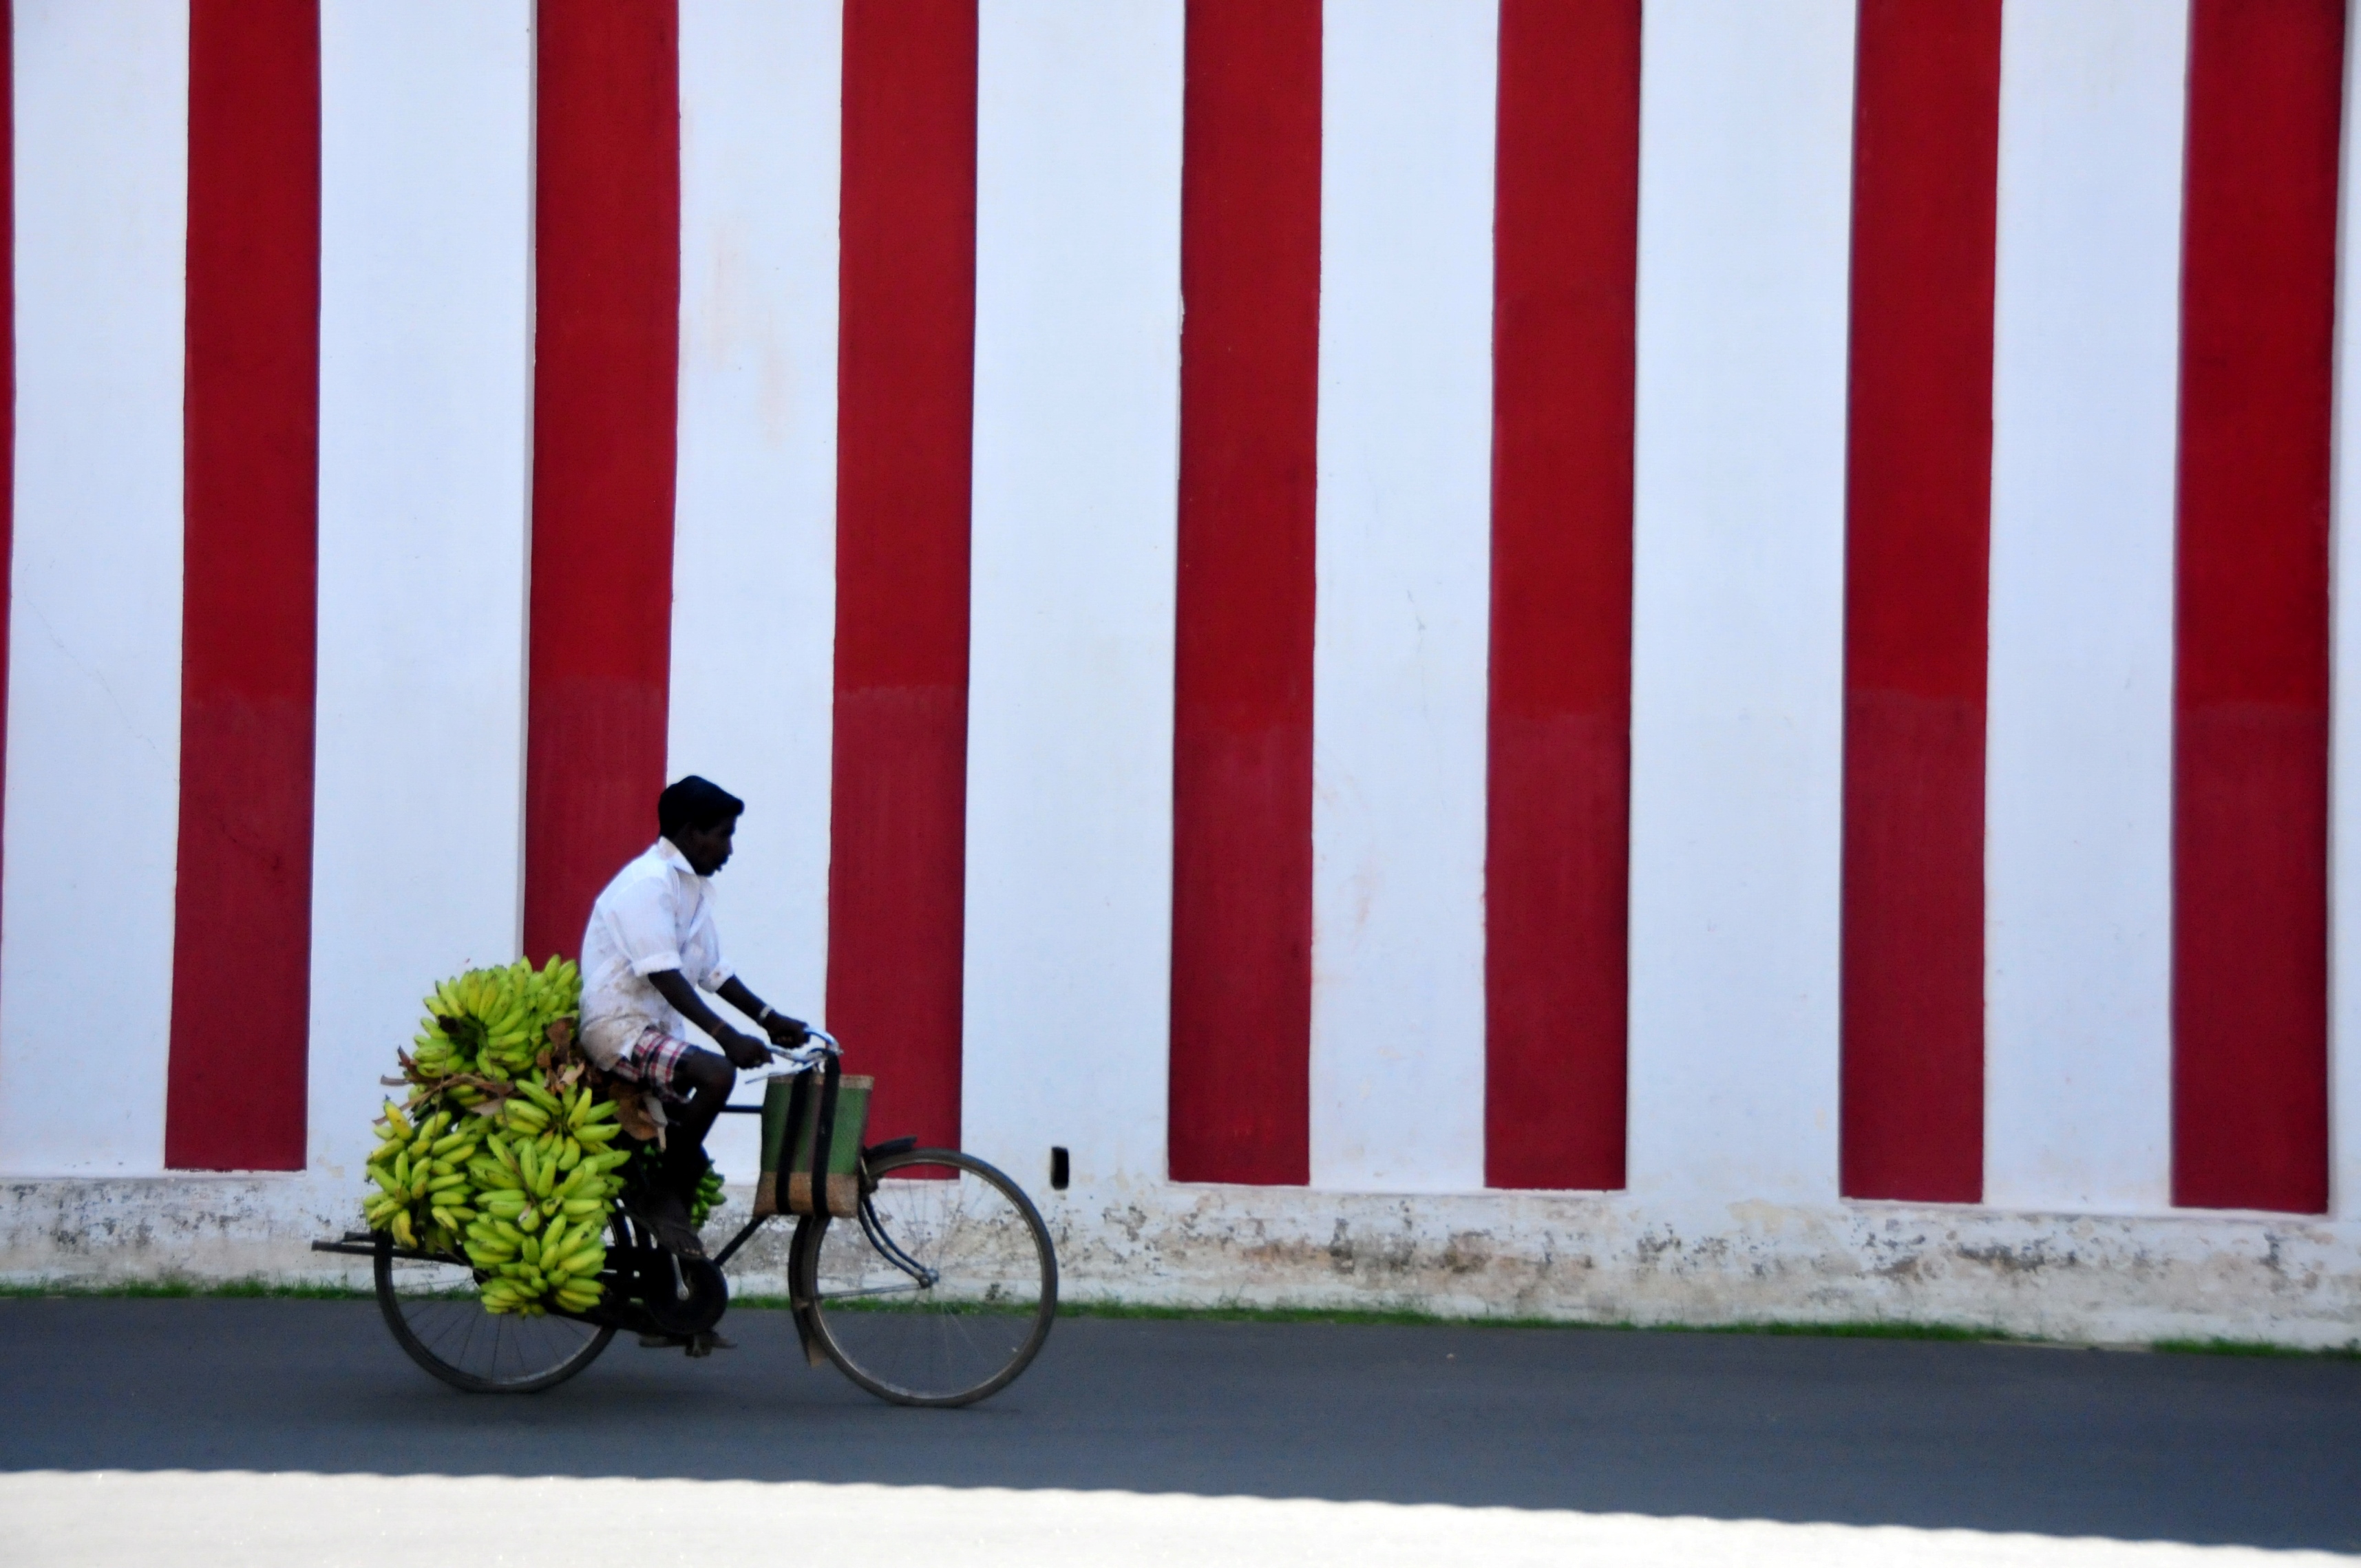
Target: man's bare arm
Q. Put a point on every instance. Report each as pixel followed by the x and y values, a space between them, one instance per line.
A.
pixel 743 1050
pixel 782 1030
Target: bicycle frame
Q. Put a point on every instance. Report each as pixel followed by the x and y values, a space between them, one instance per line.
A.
pixel 671 1299
pixel 625 1308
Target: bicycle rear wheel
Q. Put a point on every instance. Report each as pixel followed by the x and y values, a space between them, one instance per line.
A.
pixel 439 1321
pixel 942 1292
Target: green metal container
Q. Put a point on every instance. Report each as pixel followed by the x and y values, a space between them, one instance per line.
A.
pixel 843 1151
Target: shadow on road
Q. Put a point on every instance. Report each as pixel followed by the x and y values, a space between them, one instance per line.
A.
pixel 2195 1449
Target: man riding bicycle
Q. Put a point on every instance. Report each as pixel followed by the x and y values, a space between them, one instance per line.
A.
pixel 650 946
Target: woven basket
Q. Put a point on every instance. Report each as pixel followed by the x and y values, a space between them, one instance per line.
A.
pixel 781 1102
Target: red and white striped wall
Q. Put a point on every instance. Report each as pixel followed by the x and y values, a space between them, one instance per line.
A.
pixel 1726 603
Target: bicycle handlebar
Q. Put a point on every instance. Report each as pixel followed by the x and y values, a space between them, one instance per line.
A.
pixel 787 1061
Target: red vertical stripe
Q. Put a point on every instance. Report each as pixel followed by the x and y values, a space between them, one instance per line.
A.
pixel 7 349
pixel 1558 852
pixel 242 939
pixel 607 293
pixel 906 384
pixel 2250 744
pixel 1918 533
pixel 1241 1054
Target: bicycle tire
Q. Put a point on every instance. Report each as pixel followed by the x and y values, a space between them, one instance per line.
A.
pixel 437 1301
pixel 959 1338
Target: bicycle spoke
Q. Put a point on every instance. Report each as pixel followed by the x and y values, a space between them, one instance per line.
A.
pixel 431 1307
pixel 943 1289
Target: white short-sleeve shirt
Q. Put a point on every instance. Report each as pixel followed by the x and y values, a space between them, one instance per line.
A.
pixel 656 914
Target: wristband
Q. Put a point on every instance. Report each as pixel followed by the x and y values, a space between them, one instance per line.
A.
pixel 764 1016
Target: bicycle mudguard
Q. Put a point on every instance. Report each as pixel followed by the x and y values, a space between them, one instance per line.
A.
pixel 818 1192
pixel 800 1304
pixel 809 1337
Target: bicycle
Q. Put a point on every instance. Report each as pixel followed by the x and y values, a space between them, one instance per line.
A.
pixel 937 1289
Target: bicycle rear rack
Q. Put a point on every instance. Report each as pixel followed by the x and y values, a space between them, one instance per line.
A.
pixel 363 1243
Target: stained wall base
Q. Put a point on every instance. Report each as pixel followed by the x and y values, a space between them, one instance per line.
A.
pixel 1579 1257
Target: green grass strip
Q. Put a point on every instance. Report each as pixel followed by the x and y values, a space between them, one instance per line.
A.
pixel 1413 1317
pixel 1874 1328
pixel 1239 1312
pixel 183 1289
pixel 2256 1347
pixel 1362 1317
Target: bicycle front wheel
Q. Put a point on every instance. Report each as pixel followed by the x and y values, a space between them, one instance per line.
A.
pixel 941 1291
pixel 437 1317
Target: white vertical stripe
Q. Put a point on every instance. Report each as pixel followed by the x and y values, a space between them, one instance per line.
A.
pixel 1398 660
pixel 1070 698
pixel 1738 598
pixel 2345 683
pixel 2079 760
pixel 94 627
pixel 425 360
pixel 753 624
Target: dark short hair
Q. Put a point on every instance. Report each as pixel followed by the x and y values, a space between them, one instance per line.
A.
pixel 692 804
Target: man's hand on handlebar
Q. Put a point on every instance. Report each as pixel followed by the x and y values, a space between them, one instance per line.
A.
pixel 745 1051
pixel 784 1031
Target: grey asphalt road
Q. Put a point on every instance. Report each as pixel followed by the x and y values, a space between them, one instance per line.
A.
pixel 2255 1452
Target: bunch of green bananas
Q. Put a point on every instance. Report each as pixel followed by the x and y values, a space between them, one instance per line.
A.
pixel 420 1167
pixel 651 1177
pixel 493 1023
pixel 708 1197
pixel 542 1189
pixel 501 1154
